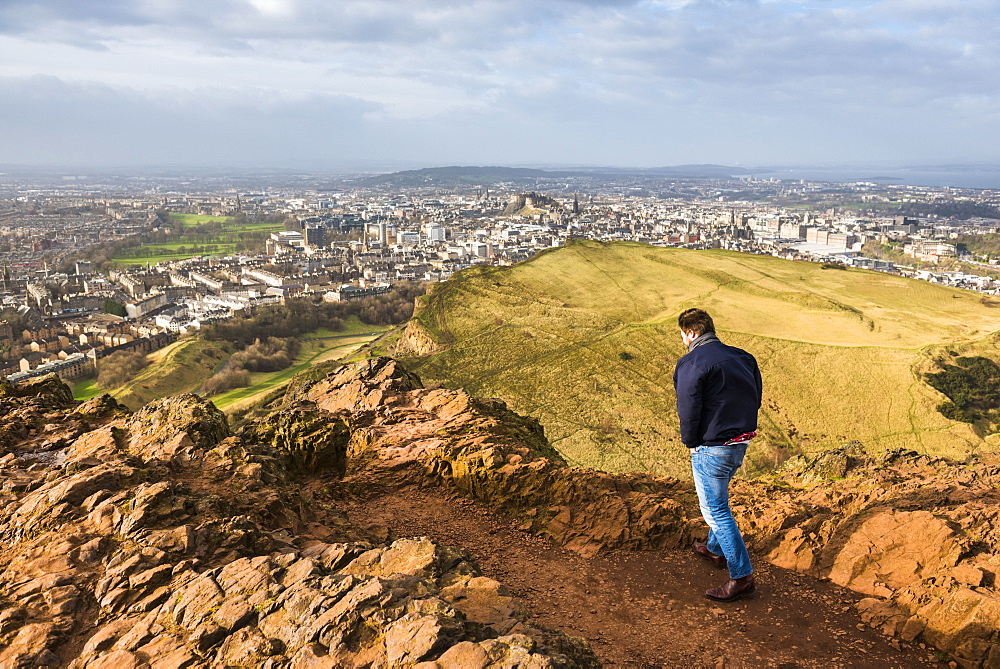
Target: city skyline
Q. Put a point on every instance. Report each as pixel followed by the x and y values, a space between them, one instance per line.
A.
pixel 287 84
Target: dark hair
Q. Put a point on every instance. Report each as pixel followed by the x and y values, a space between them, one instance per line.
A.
pixel 697 320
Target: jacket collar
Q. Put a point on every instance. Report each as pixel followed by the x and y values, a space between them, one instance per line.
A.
pixel 706 338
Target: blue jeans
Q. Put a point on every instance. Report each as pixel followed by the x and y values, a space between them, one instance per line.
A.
pixel 713 468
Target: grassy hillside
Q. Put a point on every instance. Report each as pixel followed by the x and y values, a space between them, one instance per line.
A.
pixel 314 352
pixel 585 339
pixel 85 388
pixel 185 365
pixel 179 368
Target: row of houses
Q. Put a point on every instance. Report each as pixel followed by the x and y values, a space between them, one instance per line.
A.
pixel 82 362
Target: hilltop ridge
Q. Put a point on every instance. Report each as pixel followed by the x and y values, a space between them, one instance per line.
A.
pixel 584 338
pixel 468 175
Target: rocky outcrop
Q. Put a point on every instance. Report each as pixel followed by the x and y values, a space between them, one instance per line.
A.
pixel 917 534
pixel 417 341
pixel 25 409
pixel 306 437
pixel 167 538
pixel 159 539
pixel 488 453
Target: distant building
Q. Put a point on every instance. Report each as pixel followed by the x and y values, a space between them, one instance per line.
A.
pixel 930 250
pixel 142 308
pixel 284 290
pixel 871 263
pixel 408 237
pixel 206 280
pixel 285 242
pixel 39 294
pixel 97 283
pixel 49 344
pixel 73 367
pixel 349 292
pixel 289 237
pixel 435 232
pixel 134 286
pixel 315 236
pixel 32 360
pixel 265 277
pixel 181 281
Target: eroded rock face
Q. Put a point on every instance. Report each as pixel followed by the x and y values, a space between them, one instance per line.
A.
pixel 920 535
pixel 159 539
pixel 488 453
pixel 906 530
pixel 163 539
pixel 24 410
pixel 416 340
pixel 306 436
pixel 178 427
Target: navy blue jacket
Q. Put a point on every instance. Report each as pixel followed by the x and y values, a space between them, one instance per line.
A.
pixel 718 392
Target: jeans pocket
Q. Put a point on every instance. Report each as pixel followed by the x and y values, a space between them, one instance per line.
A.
pixel 724 459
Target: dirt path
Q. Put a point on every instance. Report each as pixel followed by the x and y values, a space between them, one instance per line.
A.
pixel 647 609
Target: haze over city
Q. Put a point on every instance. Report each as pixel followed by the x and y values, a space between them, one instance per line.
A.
pixel 396 84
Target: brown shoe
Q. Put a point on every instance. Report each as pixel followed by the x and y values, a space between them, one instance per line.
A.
pixel 702 549
pixel 732 589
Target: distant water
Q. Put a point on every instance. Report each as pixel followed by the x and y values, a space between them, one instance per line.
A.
pixel 957 177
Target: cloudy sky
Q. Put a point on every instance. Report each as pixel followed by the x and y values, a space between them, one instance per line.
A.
pixel 325 84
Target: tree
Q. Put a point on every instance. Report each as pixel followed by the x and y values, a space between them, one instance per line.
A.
pixel 18 322
pixel 114 307
pixel 119 368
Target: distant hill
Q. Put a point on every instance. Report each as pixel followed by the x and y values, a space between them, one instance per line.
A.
pixel 585 339
pixel 487 176
pixel 456 175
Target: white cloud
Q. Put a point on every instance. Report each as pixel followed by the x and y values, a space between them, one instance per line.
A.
pixel 48 120
pixel 727 77
pixel 281 9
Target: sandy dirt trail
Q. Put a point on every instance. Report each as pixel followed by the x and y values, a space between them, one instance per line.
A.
pixel 645 609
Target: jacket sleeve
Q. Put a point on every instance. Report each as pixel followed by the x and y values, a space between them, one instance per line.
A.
pixel 688 382
pixel 760 383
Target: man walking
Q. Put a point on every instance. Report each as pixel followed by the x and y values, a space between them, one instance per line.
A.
pixel 718 396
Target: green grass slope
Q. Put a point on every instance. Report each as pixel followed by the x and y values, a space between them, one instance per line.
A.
pixel 585 339
pixel 314 351
pixel 179 368
pixel 185 365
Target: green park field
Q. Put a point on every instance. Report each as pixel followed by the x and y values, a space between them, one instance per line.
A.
pixel 229 224
pixel 194 220
pixel 194 241
pixel 154 253
pixel 585 339
pixel 84 389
